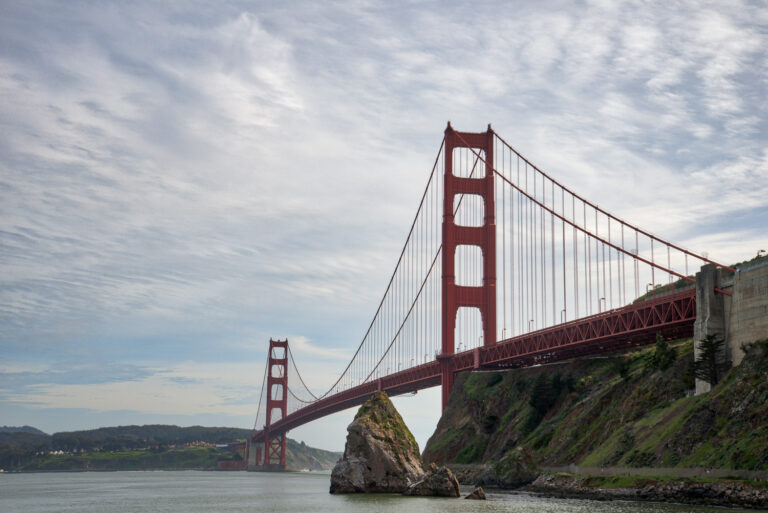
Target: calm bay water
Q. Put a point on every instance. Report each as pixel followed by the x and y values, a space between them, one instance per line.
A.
pixel 248 492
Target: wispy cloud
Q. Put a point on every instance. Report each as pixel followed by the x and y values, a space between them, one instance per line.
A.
pixel 178 183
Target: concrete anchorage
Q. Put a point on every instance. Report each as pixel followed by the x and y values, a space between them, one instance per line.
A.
pixel 710 314
pixel 741 318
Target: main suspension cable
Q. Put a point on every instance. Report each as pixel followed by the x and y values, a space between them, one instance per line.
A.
pixel 394 273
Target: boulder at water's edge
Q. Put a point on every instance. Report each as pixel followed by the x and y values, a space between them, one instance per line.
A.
pixel 380 455
pixel 437 482
pixel 516 468
pixel 478 494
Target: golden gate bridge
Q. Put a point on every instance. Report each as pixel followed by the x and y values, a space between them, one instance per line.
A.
pixel 502 267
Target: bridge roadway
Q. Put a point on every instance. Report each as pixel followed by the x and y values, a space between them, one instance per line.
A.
pixel 636 324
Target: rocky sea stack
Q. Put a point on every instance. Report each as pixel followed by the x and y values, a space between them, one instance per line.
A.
pixel 381 454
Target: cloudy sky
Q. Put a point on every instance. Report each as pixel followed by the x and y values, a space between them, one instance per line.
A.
pixel 181 181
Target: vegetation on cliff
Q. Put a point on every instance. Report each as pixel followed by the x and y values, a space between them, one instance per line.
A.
pixel 380 414
pixel 632 409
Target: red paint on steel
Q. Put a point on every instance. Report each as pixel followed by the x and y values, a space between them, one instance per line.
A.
pixel 277 381
pixel 671 316
pixel 454 296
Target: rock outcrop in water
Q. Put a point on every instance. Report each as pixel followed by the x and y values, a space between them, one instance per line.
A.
pixel 380 455
pixel 436 482
pixel 477 495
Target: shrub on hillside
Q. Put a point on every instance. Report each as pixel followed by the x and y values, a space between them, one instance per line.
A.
pixel 544 395
pixel 662 356
pixel 621 367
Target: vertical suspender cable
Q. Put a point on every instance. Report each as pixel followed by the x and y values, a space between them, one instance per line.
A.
pixel 575 258
pixel 552 243
pixel 564 316
pixel 669 264
pixel 503 252
pixel 529 252
pixel 597 264
pixel 610 264
pixel 511 255
pixel 637 252
pixel 587 267
pixel 520 263
pixel 653 270
pixel 534 258
pixel 623 290
pixel 542 257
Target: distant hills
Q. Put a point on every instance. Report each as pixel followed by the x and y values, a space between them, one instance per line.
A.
pixel 22 429
pixel 155 446
pixel 137 437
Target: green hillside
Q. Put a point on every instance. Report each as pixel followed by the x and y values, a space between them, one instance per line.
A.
pixel 136 437
pixel 619 410
pixel 155 447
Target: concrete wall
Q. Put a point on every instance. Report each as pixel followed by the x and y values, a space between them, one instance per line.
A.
pixel 749 309
pixel 710 313
pixel 251 460
pixel 740 319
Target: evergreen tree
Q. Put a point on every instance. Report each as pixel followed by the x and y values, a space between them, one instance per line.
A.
pixel 710 365
pixel 662 356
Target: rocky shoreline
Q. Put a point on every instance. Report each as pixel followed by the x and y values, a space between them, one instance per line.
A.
pixel 726 493
pixel 715 493
pixel 381 456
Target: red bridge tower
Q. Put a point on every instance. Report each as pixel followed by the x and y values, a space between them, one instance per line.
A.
pixel 277 401
pixel 456 296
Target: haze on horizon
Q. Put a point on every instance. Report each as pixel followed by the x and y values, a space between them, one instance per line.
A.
pixel 181 182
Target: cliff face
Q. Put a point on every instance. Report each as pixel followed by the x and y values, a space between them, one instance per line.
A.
pixel 380 455
pixel 610 411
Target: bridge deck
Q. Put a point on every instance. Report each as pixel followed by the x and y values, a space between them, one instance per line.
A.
pixel 633 325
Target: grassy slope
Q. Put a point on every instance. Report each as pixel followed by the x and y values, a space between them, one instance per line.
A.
pixel 603 420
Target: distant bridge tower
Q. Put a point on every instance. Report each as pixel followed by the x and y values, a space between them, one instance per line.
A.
pixel 456 296
pixel 277 401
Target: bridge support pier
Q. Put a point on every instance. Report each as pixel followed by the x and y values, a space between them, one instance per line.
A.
pixel 710 314
pixel 253 452
pixel 748 316
pixel 447 377
pixel 274 450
